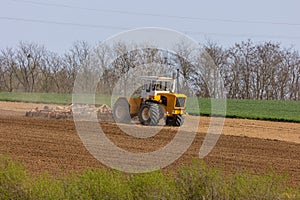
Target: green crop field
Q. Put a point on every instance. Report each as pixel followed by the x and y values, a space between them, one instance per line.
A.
pixel 249 109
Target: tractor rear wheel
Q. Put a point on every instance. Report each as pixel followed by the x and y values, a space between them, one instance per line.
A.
pixel 121 113
pixel 149 114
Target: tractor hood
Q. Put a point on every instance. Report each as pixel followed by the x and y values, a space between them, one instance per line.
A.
pixel 177 101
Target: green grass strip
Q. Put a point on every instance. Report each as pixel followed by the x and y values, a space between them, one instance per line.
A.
pixel 288 111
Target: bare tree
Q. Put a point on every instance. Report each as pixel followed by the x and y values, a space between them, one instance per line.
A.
pixel 7 76
pixel 72 61
pixel 291 75
pixel 50 80
pixel 206 75
pixel 250 71
pixel 270 57
pixel 184 58
pixel 28 59
pixel 108 76
pixel 242 74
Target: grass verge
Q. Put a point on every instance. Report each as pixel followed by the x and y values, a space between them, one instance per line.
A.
pixel 196 181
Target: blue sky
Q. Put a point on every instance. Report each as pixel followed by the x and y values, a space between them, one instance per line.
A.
pixel 57 24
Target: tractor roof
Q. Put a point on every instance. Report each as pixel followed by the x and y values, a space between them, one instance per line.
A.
pixel 157 78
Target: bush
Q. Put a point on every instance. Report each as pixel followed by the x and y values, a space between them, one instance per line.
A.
pixel 12 180
pixel 98 184
pixel 46 187
pixel 200 182
pixel 196 181
pixel 153 185
pixel 267 186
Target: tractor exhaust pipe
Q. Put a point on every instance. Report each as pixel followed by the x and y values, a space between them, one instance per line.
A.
pixel 177 79
pixel 175 75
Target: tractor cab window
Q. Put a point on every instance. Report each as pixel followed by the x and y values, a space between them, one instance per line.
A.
pixel 168 86
pixel 158 86
pixel 147 86
pixel 153 85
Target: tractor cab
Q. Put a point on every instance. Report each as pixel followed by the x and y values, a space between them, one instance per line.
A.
pixel 152 85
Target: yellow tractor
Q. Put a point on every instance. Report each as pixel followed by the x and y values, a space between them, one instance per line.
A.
pixel 157 101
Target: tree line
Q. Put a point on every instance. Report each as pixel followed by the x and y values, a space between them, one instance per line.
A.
pixel 265 71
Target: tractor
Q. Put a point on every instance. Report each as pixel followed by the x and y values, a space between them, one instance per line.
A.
pixel 157 101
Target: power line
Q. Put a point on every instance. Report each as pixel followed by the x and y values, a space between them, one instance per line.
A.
pixel 64 23
pixel 101 26
pixel 159 15
pixel 243 35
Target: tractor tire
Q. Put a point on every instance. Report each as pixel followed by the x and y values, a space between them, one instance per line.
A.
pixel 178 121
pixel 162 112
pixel 175 121
pixel 121 111
pixel 169 121
pixel 149 114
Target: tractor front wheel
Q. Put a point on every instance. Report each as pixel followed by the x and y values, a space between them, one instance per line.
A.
pixel 177 120
pixel 149 114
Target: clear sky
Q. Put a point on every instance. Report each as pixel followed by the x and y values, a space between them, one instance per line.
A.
pixel 59 23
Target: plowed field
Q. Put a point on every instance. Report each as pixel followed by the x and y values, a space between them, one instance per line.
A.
pixel 53 145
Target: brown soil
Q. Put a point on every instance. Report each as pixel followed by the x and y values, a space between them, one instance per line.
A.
pixel 54 145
